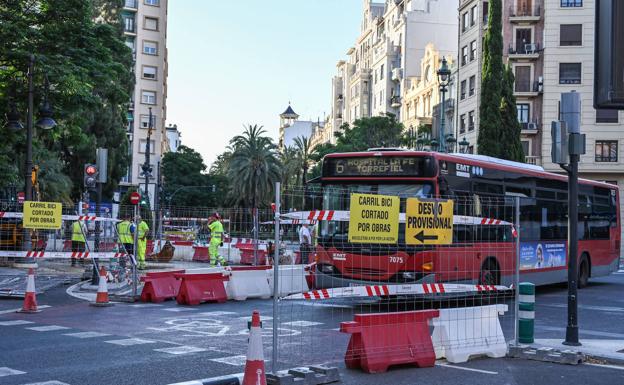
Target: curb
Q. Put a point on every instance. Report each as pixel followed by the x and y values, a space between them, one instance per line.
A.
pixel 231 379
pixel 606 359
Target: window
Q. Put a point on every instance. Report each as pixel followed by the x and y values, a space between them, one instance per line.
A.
pixel 154 3
pixel 571 3
pixel 464 55
pixel 464 21
pixel 570 34
pixel 462 124
pixel 523 78
pixel 525 147
pixel 606 151
pixel 473 15
pixel 606 116
pixel 128 23
pixel 569 73
pixel 463 90
pixel 471 83
pixel 381 72
pixel 149 72
pixel 148 97
pixel 150 23
pixel 524 110
pixel 130 43
pixel 145 121
pixel 143 144
pixel 473 50
pixel 150 47
pixel 471 120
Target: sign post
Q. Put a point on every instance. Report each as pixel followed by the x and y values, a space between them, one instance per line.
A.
pixel 135 197
pixel 374 219
pixel 429 221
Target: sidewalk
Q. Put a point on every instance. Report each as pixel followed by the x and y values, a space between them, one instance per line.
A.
pixel 609 351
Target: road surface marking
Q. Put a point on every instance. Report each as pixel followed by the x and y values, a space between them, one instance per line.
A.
pixel 302 323
pixel 130 342
pixel 146 305
pixel 16 322
pixel 468 369
pixel 87 335
pixel 587 307
pixel 217 313
pixel 54 382
pixel 262 318
pixel 179 309
pixel 232 360
pixel 181 350
pixel 4 371
pixel 607 366
pixel 582 331
pixel 48 328
pixel 18 309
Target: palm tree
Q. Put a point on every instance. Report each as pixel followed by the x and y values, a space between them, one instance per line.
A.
pixel 290 165
pixel 302 145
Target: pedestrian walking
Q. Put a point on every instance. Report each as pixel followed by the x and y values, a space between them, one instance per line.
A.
pixel 305 242
pixel 216 240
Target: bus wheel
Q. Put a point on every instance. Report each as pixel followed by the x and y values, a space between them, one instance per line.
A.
pixel 490 273
pixel 583 272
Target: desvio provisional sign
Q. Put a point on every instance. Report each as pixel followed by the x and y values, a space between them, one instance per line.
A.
pixel 374 219
pixel 42 215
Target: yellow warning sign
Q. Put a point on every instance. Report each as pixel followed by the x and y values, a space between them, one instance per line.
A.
pixel 374 218
pixel 42 215
pixel 429 222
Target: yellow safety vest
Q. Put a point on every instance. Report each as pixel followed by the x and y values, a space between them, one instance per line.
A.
pixel 77 234
pixel 123 228
pixel 216 230
pixel 143 229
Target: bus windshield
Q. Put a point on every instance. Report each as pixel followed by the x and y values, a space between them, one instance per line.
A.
pixel 337 197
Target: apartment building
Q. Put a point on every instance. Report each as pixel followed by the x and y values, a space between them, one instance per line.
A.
pixel 388 51
pixel 145 30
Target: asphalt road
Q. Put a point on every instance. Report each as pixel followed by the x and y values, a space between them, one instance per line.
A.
pixel 73 343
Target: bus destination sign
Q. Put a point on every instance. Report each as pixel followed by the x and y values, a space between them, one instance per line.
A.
pixel 374 166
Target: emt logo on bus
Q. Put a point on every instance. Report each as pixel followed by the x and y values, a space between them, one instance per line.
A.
pixel 374 218
pixel 429 221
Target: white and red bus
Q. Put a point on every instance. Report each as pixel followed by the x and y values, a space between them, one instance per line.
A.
pixel 478 254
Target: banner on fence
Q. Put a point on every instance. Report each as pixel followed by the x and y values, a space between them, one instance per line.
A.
pixel 374 219
pixel 42 215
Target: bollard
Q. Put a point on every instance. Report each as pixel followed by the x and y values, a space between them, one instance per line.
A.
pixel 526 313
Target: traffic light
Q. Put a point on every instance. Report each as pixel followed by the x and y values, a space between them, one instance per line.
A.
pixel 91 173
pixel 34 175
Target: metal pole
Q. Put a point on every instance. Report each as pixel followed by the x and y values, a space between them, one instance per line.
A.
pixel 442 113
pixel 29 144
pixel 148 149
pixel 135 277
pixel 157 207
pixel 517 272
pixel 572 337
pixel 276 256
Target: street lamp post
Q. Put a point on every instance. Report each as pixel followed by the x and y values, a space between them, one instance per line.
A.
pixel 450 139
pixel 443 78
pixel 147 169
pixel 463 146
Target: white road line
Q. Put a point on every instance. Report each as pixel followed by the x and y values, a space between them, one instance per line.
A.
pixel 19 308
pixel 48 328
pixel 262 318
pixel 16 322
pixel 130 342
pixel 4 371
pixel 53 382
pixel 232 360
pixel 179 309
pixel 146 305
pixel 217 313
pixel 181 350
pixel 463 368
pixel 606 366
pixel 87 335
pixel 302 323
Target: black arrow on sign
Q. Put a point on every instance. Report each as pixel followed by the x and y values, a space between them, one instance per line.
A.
pixel 422 237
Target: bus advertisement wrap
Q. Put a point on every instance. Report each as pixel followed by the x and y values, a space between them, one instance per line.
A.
pixel 541 255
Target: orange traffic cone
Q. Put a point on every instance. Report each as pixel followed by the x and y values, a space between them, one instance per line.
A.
pixel 102 293
pixel 30 299
pixel 254 367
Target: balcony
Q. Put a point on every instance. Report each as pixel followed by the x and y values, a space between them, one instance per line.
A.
pixel 524 13
pixel 528 89
pixel 449 104
pixel 534 160
pixel 395 101
pixel 397 74
pixel 529 128
pixel 530 51
pixel 131 4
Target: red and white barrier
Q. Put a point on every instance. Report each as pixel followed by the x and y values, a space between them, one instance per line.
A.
pixel 461 333
pixel 60 254
pixel 87 218
pixel 248 282
pixel 292 279
pixel 388 290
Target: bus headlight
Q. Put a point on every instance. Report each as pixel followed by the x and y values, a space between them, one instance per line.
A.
pixel 410 275
pixel 328 269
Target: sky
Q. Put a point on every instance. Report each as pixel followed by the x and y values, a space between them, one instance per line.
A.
pixel 233 63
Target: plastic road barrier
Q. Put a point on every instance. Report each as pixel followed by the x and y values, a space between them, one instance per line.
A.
pixel 388 290
pixel 198 288
pixel 160 286
pixel 247 254
pixel 292 279
pixel 248 282
pixel 461 333
pixel 200 254
pixel 526 312
pixel 381 340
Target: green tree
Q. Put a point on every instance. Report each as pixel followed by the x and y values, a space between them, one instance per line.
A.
pixel 511 127
pixel 254 167
pixel 490 120
pixel 303 151
pixel 90 71
pixel 290 167
pixel 377 131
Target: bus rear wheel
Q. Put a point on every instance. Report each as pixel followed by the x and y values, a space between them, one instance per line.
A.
pixel 583 272
pixel 490 273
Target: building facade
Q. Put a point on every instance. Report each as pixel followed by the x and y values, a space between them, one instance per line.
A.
pixel 174 138
pixel 145 30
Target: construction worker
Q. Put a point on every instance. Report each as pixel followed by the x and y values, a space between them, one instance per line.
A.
pixel 143 230
pixel 216 238
pixel 125 235
pixel 78 240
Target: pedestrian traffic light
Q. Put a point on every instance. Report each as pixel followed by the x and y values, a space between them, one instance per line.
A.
pixel 90 175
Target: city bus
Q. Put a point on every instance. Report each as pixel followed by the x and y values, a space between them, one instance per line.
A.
pixel 481 187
